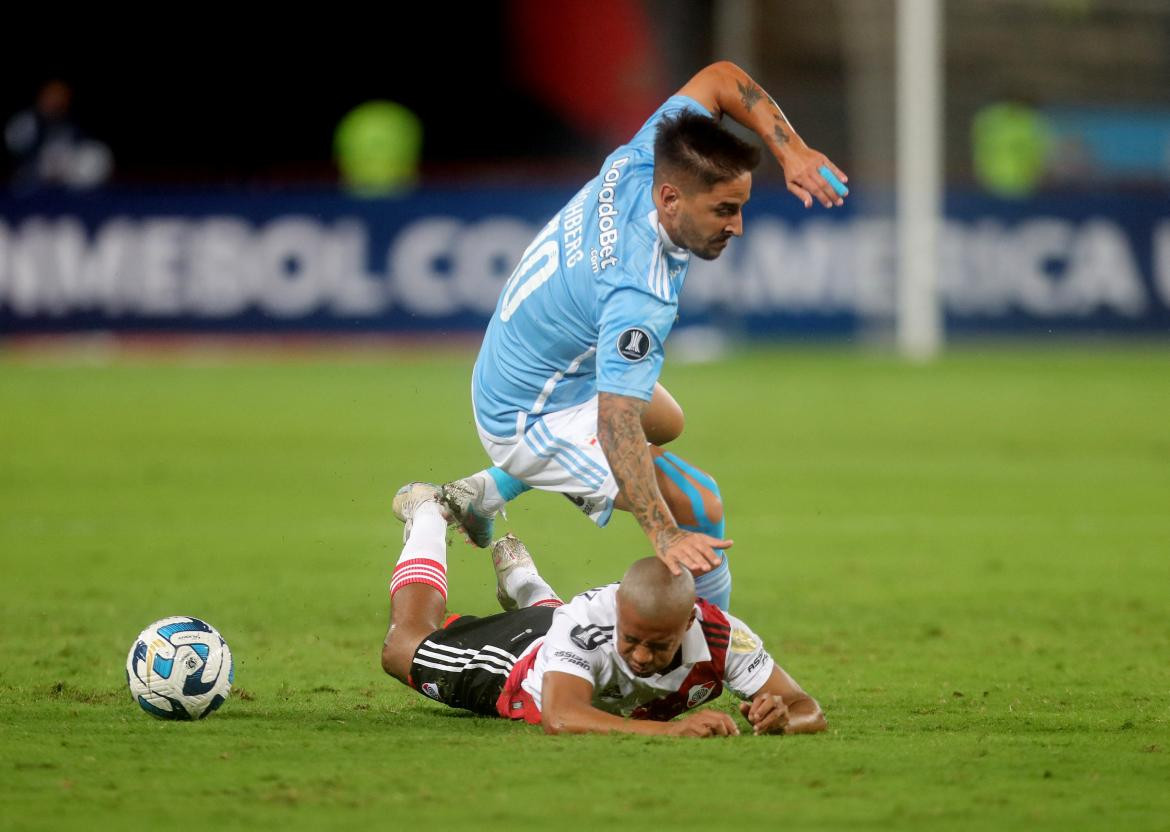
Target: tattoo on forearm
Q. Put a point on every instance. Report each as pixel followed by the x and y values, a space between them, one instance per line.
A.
pixel 749 94
pixel 780 135
pixel 778 114
pixel 619 430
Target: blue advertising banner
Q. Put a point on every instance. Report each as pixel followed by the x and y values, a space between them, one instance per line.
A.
pixel 435 262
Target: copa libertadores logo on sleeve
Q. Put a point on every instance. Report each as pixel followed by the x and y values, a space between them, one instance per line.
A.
pixel 590 636
pixel 634 344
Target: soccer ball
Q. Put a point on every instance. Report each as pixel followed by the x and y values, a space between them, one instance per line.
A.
pixel 179 668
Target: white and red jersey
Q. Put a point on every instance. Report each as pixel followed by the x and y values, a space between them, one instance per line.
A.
pixel 718 650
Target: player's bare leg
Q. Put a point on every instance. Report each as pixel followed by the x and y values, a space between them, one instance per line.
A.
pixel 696 505
pixel 416 612
pixel 418 588
pixel 663 419
pixel 691 493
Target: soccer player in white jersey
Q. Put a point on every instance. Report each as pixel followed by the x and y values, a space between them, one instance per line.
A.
pixel 625 658
pixel 565 391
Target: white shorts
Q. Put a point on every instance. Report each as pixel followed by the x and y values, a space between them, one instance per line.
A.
pixel 560 452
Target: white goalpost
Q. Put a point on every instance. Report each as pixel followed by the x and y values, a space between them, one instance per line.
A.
pixel 919 176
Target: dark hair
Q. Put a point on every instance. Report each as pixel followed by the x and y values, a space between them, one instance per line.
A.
pixel 697 147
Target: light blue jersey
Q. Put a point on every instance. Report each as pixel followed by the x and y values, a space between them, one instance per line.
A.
pixel 591 302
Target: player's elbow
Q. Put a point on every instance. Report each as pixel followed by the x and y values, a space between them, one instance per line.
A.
pixel 811 721
pixel 723 70
pixel 563 721
pixel 817 722
pixel 555 722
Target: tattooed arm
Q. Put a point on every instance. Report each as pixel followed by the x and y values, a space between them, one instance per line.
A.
pixel 619 430
pixel 725 88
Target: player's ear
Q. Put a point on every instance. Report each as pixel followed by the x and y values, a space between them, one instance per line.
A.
pixel 670 197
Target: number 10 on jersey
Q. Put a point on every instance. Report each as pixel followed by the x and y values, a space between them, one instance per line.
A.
pixel 538 264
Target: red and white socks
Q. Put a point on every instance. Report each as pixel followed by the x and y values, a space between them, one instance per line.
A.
pixel 424 556
pixel 424 561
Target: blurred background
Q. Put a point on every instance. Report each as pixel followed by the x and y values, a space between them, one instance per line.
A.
pixel 348 178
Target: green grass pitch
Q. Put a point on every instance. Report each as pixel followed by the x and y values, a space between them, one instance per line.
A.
pixel 968 563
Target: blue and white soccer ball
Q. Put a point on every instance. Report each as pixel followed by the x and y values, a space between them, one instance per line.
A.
pixel 180 668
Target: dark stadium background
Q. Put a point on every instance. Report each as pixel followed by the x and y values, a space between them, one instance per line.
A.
pixel 528 96
pixel 256 102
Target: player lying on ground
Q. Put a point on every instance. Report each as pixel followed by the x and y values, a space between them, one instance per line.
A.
pixel 645 648
pixel 565 390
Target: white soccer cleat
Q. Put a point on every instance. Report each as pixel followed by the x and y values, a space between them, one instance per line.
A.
pixel 410 497
pixel 463 500
pixel 508 555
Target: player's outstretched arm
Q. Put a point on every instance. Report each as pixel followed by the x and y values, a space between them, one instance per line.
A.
pixel 782 707
pixel 723 87
pixel 566 709
pixel 622 438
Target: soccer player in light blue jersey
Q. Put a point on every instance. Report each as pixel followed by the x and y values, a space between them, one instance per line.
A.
pixel 565 391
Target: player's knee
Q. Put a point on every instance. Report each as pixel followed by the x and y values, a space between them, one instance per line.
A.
pixel 712 506
pixel 712 515
pixel 389 664
pixel 704 487
pixel 664 427
pixel 662 420
pixel 396 656
pixel 692 494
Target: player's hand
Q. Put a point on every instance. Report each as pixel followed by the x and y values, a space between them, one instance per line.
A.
pixel 680 549
pixel 803 177
pixel 767 713
pixel 704 724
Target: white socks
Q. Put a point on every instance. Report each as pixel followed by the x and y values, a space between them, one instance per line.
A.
pixel 528 589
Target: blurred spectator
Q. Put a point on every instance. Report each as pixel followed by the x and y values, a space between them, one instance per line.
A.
pixel 1011 141
pixel 377 147
pixel 48 148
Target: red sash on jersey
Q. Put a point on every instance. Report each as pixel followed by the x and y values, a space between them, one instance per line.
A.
pixel 705 681
pixel 703 684
pixel 514 702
